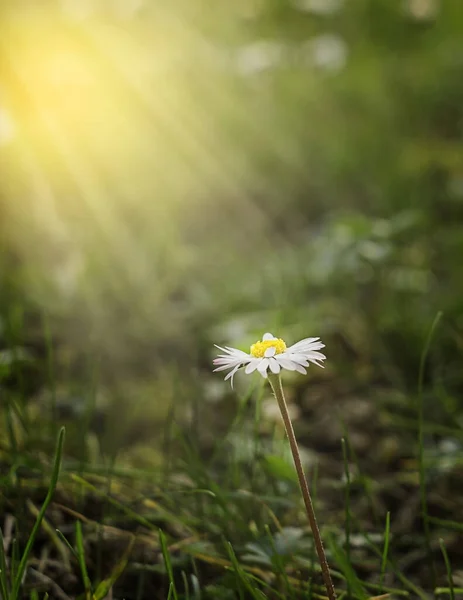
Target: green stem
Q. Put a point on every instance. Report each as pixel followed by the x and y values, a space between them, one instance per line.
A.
pixel 275 382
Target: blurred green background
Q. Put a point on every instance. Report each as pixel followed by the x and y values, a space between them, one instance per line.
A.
pixel 178 174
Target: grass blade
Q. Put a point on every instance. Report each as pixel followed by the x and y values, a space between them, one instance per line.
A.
pixel 387 531
pixel 393 566
pixel 448 568
pixel 242 576
pixel 168 564
pixel 53 482
pixel 81 560
pixel 104 587
pixel 61 548
pixel 343 562
pixel 171 591
pixel 64 539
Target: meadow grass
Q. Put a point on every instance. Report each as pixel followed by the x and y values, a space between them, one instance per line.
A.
pixel 221 524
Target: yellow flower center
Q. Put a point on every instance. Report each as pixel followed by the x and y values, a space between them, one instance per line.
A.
pixel 258 349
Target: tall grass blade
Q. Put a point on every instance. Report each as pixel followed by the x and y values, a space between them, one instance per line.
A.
pixel 387 532
pixel 53 482
pixel 168 564
pixel 81 560
pixel 171 591
pixel 448 568
pixel 392 565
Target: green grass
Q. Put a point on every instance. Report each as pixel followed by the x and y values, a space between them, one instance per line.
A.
pixel 11 579
pixel 208 537
pixel 226 521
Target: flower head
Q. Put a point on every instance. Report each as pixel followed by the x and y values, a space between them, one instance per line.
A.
pixel 271 353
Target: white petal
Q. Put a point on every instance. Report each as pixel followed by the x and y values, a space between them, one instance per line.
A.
pixel 312 355
pixel 299 358
pixel 309 340
pixel 274 366
pixel 268 336
pixel 252 366
pixel 270 352
pixel 301 369
pixel 223 349
pixel 303 358
pixel 237 352
pixel 263 366
pixel 307 344
pixel 306 341
pixel 232 351
pixel 311 347
pixel 232 372
pixel 231 375
pixel 285 362
pixel 224 360
pixel 225 367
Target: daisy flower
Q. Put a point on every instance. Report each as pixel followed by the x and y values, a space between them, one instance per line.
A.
pixel 271 353
pixel 269 356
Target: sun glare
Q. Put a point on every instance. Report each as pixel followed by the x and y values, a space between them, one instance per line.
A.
pixel 112 115
pixel 123 137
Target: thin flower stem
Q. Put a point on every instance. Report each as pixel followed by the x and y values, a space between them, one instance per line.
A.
pixel 275 382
